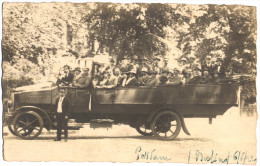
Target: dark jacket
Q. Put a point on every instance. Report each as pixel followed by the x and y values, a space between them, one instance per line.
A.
pixel 66 80
pixel 196 80
pixel 163 80
pixel 65 106
pixel 207 79
pixel 133 82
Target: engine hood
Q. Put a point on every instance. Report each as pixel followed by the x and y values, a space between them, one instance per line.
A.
pixel 36 87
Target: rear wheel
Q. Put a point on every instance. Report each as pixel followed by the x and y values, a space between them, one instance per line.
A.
pixel 166 125
pixel 28 125
pixel 144 130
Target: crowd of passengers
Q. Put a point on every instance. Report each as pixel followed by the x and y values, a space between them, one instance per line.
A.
pixel 147 73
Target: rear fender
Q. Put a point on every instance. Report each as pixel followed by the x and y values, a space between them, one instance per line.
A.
pixel 38 110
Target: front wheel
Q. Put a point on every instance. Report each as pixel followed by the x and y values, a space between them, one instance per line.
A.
pixel 28 125
pixel 166 125
pixel 10 126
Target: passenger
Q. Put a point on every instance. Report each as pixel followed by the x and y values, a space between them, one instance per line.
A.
pixel 97 71
pixel 144 78
pixel 174 78
pixel 118 75
pixel 112 80
pixel 95 81
pixel 84 80
pixel 197 79
pixel 183 64
pixel 131 81
pixel 125 75
pixel 192 63
pixel 104 81
pixel 155 65
pixel 207 79
pixel 134 64
pixel 217 78
pixel 219 68
pixel 207 65
pixel 65 79
pixel 163 78
pixel 77 75
pixel 213 66
pixel 153 80
pixel 228 77
pixel 187 75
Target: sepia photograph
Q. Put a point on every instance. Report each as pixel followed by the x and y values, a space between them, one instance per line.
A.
pixel 129 82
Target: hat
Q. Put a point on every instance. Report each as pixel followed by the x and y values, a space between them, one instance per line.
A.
pixel 77 69
pixel 157 58
pixel 205 69
pixel 66 66
pixel 144 69
pixel 85 68
pixel 153 72
pixel 197 68
pixel 135 57
pixel 213 59
pixel 192 56
pixel 219 59
pixel 166 70
pixel 132 71
pixel 184 59
pixel 98 64
pixel 176 69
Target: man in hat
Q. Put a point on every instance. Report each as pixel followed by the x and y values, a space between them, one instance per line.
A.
pixel 66 77
pixel 76 77
pixel 131 80
pixel 186 76
pixel 216 78
pixel 207 79
pixel 192 63
pixel 163 78
pixel 219 68
pixel 134 65
pixel 228 77
pixel 197 79
pixel 62 106
pixel 174 77
pixel 104 81
pixel 183 64
pixel 144 78
pixel 207 64
pixel 155 65
pixel 84 80
pixel 153 80
pixel 113 79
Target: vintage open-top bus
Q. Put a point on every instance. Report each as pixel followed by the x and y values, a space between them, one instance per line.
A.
pixel 158 111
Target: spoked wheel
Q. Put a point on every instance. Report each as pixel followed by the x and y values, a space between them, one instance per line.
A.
pixel 10 126
pixel 28 125
pixel 166 125
pixel 144 130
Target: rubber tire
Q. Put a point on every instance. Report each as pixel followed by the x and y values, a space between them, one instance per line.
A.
pixel 177 131
pixel 37 116
pixel 10 126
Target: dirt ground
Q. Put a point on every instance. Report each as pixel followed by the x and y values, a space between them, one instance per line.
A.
pixel 230 139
